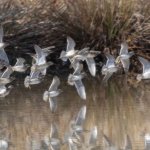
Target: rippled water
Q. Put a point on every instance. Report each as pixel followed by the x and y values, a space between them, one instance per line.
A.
pixel 117 110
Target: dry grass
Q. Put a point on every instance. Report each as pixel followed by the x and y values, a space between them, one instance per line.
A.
pixel 94 23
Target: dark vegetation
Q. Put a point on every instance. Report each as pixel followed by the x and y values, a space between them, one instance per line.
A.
pixel 99 24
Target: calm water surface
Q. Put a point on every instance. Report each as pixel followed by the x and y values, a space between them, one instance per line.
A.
pixel 117 110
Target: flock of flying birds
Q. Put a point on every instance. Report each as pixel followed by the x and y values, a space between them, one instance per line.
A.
pixel 38 71
pixel 76 57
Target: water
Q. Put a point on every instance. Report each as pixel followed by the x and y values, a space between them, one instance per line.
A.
pixel 117 110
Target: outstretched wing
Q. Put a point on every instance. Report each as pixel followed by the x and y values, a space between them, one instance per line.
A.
pixel 124 48
pixel 7 73
pixel 80 89
pixel 41 57
pixel 110 60
pixel 53 103
pixel 3 56
pixel 145 63
pixel 126 64
pixel 70 44
pixel 91 65
pixel 81 116
pixel 78 69
pixel 55 84
pixel 84 51
pixel 48 49
pixel 107 76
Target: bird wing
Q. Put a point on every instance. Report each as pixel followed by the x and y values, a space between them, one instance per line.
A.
pixel 110 60
pixel 3 56
pixel 48 49
pixel 63 56
pixel 107 76
pixel 1 34
pixel 78 69
pixel 126 64
pixel 81 116
pixel 34 74
pixel 70 44
pixel 41 57
pixel 124 48
pixel 145 63
pixel 80 89
pixel 7 73
pixel 91 65
pixel 54 131
pixel 93 136
pixel 2 89
pixel 55 83
pixel 84 51
pixel 20 62
pixel 53 103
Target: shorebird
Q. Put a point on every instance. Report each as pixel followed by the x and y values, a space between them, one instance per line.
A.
pixel 4 91
pixel 74 137
pixel 40 61
pixel 20 65
pixel 52 93
pixel 76 125
pixel 146 69
pixel 109 68
pixel 5 76
pixel 53 140
pixel 76 79
pixel 35 77
pixel 46 51
pixel 124 56
pixel 70 50
pixel 88 56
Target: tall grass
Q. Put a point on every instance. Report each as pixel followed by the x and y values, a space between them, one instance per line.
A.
pixel 94 23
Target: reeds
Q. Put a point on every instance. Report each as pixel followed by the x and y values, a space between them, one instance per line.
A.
pixel 95 23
